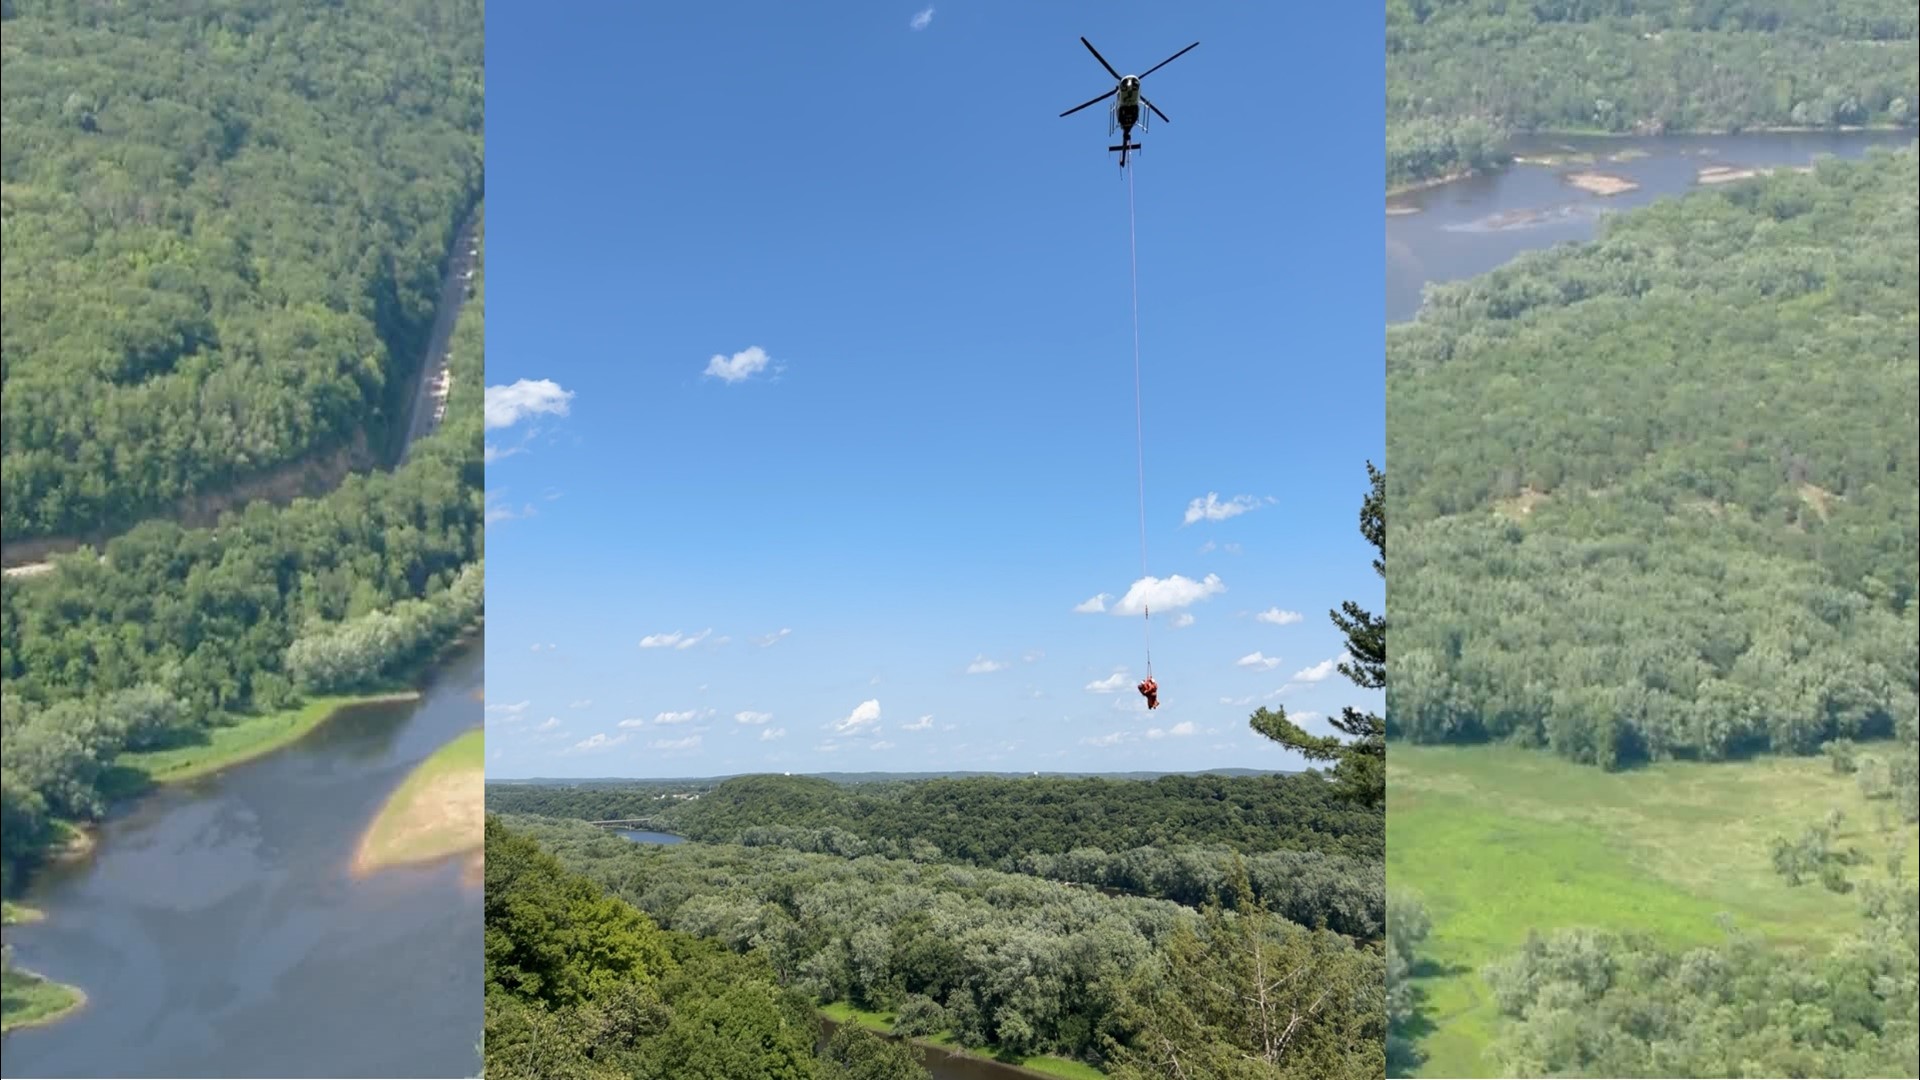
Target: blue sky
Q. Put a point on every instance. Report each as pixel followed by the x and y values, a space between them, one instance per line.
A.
pixel 811 384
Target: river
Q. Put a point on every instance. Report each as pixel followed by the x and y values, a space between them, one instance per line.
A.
pixel 1471 226
pixel 217 932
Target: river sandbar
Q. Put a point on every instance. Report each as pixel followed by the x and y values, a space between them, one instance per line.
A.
pixel 1602 184
pixel 438 811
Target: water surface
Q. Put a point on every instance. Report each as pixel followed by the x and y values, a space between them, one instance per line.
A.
pixel 1469 227
pixel 642 836
pixel 217 931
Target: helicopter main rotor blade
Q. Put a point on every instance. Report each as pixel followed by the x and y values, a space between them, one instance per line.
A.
pixel 1095 101
pixel 1103 60
pixel 1165 62
pixel 1155 108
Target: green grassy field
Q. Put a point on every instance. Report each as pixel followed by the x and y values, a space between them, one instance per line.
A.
pixel 1498 841
pixel 244 740
pixel 435 812
pixel 842 1013
pixel 27 999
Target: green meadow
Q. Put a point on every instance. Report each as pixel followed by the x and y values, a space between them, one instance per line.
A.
pixel 1499 841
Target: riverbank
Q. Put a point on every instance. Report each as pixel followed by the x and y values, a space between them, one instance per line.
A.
pixel 437 812
pixel 1038 1065
pixel 1510 157
pixel 28 998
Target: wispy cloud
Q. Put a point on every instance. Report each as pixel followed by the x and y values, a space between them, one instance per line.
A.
pixel 1258 662
pixel 740 366
pixel 922 20
pixel 583 703
pixel 1320 670
pixel 772 639
pixel 1212 508
pixel 1111 684
pixel 1165 594
pixel 1177 731
pixel 513 709
pixel 508 405
pixel 1183 620
pixel 865 715
pixel 548 724
pixel 1114 739
pixel 982 665
pixel 770 734
pixel 1093 605
pixel 691 742
pixel 633 722
pixel 681 717
pixel 1279 618
pixel 752 717
pixel 921 724
pixel 677 640
pixel 597 741
pixel 881 745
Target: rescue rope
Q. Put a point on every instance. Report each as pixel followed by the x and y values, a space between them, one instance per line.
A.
pixel 1139 430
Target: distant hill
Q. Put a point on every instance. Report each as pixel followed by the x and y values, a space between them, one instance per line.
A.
pixel 873 777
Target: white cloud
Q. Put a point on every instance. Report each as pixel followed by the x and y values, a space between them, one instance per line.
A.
pixel 678 717
pixel 881 745
pixel 1320 670
pixel 1212 509
pixel 508 405
pixel 922 20
pixel 1237 702
pixel 583 703
pixel 514 709
pixel 981 666
pixel 633 722
pixel 498 512
pixel 691 742
pixel 1105 740
pixel 494 453
pixel 1166 594
pixel 1035 656
pixel 598 741
pixel 1177 731
pixel 1278 618
pixel 1111 684
pixel 740 366
pixel 921 724
pixel 677 640
pixel 1183 620
pixel 773 638
pixel 771 734
pixel 549 724
pixel 1093 605
pixel 866 714
pixel 752 717
pixel 1258 662
pixel 1303 717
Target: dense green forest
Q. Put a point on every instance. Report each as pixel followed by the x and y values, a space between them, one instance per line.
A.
pixel 1462 75
pixel 1008 960
pixel 1633 527
pixel 224 226
pixel 176 632
pixel 1306 854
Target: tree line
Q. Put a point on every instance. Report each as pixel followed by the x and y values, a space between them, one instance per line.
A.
pixel 1632 527
pixel 1142 988
pixel 225 229
pixel 1464 75
pixel 170 632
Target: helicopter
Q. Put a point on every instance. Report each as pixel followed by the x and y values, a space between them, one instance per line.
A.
pixel 1127 100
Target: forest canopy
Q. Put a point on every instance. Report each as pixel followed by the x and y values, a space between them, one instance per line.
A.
pixel 223 224
pixel 1462 75
pixel 1727 564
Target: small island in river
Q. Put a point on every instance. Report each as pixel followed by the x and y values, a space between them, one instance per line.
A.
pixel 436 813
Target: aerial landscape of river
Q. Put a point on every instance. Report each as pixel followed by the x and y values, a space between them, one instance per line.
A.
pixel 218 930
pixel 1457 230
